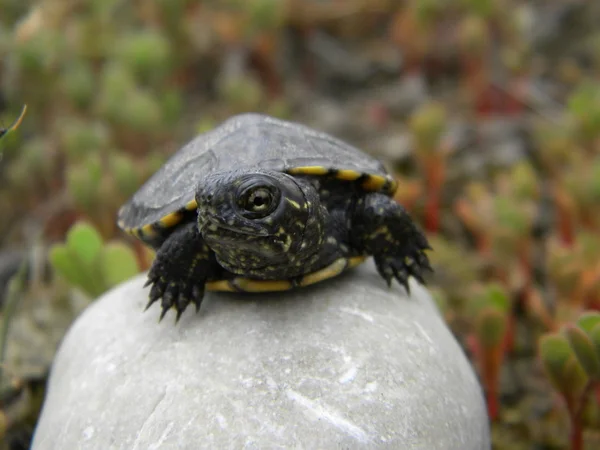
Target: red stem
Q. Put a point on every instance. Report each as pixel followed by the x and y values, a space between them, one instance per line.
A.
pixel 435 180
pixel 491 359
pixel 432 216
pixel 575 413
pixel 492 400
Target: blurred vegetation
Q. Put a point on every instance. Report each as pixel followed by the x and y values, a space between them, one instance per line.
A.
pixel 487 111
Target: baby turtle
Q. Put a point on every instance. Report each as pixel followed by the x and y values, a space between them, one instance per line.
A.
pixel 260 204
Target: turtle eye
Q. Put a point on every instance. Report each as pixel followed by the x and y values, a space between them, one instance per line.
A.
pixel 258 200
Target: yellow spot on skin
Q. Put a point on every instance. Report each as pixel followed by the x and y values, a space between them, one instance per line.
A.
pixel 383 229
pixel 308 170
pixel 293 203
pixel 348 175
pixel 170 220
pixel 288 242
pixel 190 206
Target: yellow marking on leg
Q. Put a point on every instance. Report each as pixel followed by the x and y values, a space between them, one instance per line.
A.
pixel 170 220
pixel 192 205
pixel 348 175
pixel 308 170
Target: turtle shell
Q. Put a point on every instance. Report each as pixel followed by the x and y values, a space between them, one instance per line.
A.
pixel 245 141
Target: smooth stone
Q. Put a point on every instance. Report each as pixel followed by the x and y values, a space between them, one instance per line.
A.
pixel 345 364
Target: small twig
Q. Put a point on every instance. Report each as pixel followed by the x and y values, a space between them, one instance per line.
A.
pixel 15 124
pixel 15 288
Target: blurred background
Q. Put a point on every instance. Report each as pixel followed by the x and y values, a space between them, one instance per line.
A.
pixel 487 111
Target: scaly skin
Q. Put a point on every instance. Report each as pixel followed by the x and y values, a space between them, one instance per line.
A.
pixel 383 228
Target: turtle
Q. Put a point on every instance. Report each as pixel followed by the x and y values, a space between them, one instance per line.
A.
pixel 261 204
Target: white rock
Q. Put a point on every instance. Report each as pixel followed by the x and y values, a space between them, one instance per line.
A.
pixel 346 364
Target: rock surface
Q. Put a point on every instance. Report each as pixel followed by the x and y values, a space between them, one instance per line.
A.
pixel 346 364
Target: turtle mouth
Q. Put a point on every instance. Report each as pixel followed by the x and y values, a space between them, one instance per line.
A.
pixel 224 239
pixel 224 232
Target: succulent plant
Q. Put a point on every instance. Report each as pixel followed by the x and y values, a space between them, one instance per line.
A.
pixel 89 263
pixel 146 54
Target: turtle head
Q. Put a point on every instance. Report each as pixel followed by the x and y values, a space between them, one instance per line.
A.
pixel 261 223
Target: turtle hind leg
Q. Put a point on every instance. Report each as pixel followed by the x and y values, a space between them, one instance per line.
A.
pixel 180 270
pixel 382 228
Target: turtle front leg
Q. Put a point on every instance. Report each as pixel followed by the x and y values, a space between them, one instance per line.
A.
pixel 382 228
pixel 180 270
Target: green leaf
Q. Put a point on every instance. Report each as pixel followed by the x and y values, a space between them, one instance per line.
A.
pixel 588 320
pixel 498 297
pixel 119 264
pixel 491 327
pixel 574 380
pixel 555 353
pixel 66 266
pixel 584 350
pixel 61 262
pixel 85 243
pixel 594 335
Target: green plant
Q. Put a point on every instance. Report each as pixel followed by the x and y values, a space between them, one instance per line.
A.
pixel 428 124
pixel 571 359
pixel 90 264
pixel 491 309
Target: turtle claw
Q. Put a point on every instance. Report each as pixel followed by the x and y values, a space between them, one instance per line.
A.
pixel 175 294
pixel 197 296
pixel 403 267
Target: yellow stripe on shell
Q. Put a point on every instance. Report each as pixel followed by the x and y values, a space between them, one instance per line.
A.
pixel 190 206
pixel 220 286
pixel 248 285
pixel 356 261
pixel 348 175
pixel 147 231
pixel 308 170
pixel 171 220
pixel 332 270
pixel 375 182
